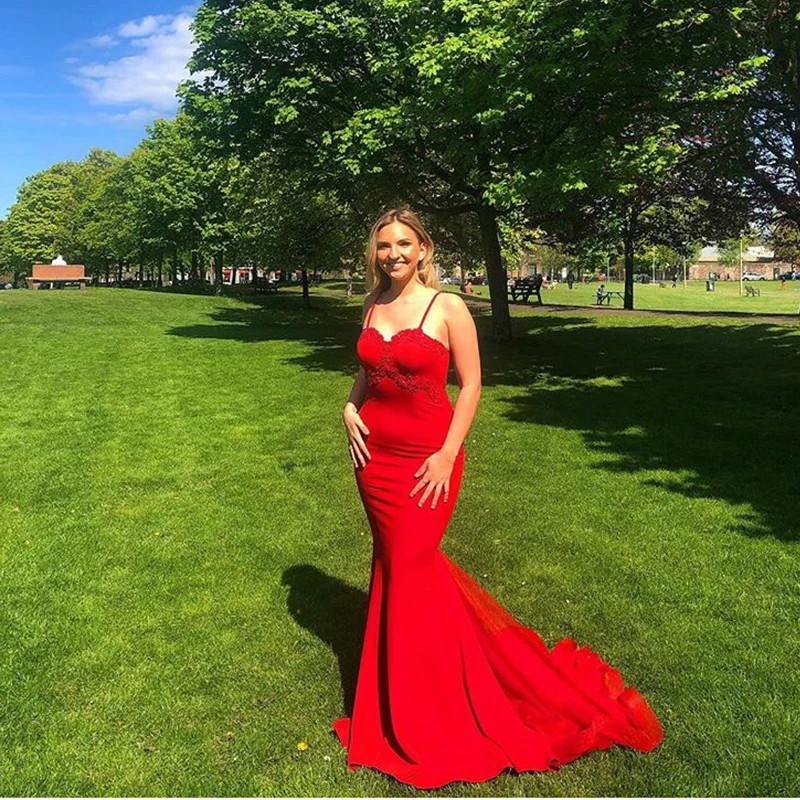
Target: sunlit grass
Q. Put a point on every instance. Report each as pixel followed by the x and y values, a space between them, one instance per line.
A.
pixel 184 557
pixel 691 296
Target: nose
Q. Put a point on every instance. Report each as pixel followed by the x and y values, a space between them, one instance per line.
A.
pixel 394 253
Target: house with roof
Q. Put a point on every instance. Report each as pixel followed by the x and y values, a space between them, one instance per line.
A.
pixel 758 259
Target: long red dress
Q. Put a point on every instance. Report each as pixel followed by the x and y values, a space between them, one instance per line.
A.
pixel 450 686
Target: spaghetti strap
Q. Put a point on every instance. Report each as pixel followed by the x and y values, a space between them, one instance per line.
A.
pixel 371 309
pixel 433 299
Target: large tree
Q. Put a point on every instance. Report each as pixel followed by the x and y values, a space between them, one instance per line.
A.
pixel 773 126
pixel 41 223
pixel 457 106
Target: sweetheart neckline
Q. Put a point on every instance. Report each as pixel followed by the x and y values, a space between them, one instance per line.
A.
pixel 404 330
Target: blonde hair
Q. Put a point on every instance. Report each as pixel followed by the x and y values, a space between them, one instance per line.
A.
pixel 377 279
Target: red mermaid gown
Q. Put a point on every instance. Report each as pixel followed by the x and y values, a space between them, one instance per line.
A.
pixel 450 686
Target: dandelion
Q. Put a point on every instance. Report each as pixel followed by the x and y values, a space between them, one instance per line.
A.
pixel 302 746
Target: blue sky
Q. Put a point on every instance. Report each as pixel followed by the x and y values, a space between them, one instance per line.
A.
pixel 77 74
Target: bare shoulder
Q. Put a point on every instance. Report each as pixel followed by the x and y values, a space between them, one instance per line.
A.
pixel 369 301
pixel 453 306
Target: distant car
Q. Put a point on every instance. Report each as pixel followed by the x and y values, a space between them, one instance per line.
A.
pixel 753 276
pixel 789 276
pixel 642 277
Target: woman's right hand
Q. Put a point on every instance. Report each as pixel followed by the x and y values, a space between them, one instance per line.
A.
pixel 356 431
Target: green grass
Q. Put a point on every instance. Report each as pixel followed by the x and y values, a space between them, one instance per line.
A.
pixel 184 558
pixel 691 297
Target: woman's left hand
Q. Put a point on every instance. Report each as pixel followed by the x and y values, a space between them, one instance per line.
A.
pixel 434 477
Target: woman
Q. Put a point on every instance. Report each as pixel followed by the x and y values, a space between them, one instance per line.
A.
pixel 451 686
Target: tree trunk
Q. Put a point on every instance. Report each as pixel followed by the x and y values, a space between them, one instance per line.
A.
pixel 108 272
pixel 630 249
pixel 498 279
pixel 195 265
pixel 218 256
pixel 140 272
pixel 119 272
pixel 173 272
pixel 306 296
pixel 160 280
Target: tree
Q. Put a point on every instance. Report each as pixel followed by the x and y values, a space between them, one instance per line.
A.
pixel 785 240
pixel 456 106
pixel 41 222
pixel 771 127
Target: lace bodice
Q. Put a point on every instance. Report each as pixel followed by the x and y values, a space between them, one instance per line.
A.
pixel 410 361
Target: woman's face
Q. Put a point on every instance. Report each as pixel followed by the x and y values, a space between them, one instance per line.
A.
pixel 399 251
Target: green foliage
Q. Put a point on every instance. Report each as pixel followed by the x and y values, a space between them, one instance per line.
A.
pixel 785 239
pixel 41 223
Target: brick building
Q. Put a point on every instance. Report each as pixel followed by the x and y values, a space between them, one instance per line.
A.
pixel 760 260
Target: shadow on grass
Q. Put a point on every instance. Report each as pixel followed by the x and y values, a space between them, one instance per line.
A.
pixel 331 610
pixel 704 410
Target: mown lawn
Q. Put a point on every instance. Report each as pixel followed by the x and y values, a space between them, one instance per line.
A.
pixel 184 558
pixel 692 296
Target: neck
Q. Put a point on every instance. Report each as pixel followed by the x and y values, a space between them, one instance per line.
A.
pixel 404 289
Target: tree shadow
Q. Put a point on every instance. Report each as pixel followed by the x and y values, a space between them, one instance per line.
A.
pixel 335 613
pixel 714 405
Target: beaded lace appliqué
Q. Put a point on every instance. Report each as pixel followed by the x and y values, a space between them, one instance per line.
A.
pixel 386 367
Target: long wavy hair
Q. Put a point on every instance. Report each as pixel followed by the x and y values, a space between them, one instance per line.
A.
pixel 377 279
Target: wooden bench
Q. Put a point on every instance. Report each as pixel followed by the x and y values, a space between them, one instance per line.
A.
pixel 606 297
pixel 55 273
pixel 522 289
pixel 752 291
pixel 265 285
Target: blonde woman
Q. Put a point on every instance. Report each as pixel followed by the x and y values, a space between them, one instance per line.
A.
pixel 450 687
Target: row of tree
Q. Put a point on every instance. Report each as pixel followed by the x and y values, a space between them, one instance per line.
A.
pixel 588 125
pixel 172 205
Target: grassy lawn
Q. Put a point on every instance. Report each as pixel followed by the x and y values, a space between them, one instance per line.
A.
pixel 184 557
pixel 690 297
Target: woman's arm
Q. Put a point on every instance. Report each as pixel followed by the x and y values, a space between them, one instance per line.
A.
pixel 435 472
pixel 467 362
pixel 358 392
pixel 356 429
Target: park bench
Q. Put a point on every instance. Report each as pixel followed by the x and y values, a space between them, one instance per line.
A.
pixel 522 289
pixel 752 291
pixel 265 285
pixel 607 296
pixel 58 273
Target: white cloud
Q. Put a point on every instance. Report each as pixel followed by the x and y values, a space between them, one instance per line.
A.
pixel 134 118
pixel 143 27
pixel 146 79
pixel 100 42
